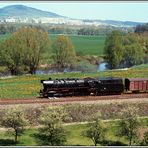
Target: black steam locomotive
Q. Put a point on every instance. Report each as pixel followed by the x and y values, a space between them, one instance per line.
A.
pixel 81 87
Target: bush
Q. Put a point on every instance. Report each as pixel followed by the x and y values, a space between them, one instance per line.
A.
pixel 51 132
pixel 95 132
pixel 14 119
pixel 145 139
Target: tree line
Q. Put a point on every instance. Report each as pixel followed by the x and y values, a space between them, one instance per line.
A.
pixel 7 28
pixel 52 131
pixel 141 28
pixel 22 51
pixel 126 50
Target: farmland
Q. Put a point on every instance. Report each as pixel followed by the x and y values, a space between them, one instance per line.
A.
pixel 85 45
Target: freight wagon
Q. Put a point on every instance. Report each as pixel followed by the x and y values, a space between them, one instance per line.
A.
pixel 136 84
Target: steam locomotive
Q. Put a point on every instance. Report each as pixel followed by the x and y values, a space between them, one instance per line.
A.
pixel 92 86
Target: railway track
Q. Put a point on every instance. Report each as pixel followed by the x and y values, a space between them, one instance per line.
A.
pixel 71 99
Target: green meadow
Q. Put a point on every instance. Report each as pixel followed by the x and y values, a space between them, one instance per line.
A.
pixel 85 45
pixel 75 136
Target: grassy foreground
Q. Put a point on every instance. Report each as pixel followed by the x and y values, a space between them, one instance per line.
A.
pixel 29 85
pixel 74 135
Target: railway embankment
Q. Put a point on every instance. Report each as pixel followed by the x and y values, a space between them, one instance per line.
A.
pixel 28 86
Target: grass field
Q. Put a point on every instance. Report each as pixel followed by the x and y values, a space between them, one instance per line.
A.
pixel 29 85
pixel 74 135
pixel 142 66
pixel 85 45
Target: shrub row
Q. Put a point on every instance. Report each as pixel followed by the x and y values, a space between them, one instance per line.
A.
pixel 80 112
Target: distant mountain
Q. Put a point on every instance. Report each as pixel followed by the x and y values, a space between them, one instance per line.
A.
pixel 24 11
pixel 126 23
pixel 116 23
pixel 24 14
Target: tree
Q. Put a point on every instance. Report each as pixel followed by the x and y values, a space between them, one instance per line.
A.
pixel 11 55
pixel 64 53
pixel 113 49
pixel 129 124
pixel 14 119
pixel 141 28
pixel 33 42
pixel 3 28
pixel 23 49
pixel 52 132
pixel 95 132
pixel 146 49
pixel 134 49
pixel 124 50
pixel 133 55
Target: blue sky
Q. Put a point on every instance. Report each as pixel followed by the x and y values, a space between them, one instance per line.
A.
pixel 124 11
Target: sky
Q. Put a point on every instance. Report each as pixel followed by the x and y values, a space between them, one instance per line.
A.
pixel 123 11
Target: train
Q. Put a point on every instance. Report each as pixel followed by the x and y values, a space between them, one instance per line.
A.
pixel 92 86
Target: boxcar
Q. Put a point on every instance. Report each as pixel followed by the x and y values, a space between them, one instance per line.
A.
pixel 136 84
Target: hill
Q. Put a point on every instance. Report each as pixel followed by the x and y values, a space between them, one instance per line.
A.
pixel 23 14
pixel 115 23
pixel 24 11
